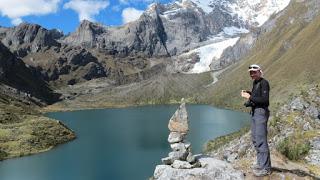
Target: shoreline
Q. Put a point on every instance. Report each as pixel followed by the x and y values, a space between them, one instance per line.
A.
pixel 49 109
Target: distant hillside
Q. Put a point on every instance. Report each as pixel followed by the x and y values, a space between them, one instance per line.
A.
pixel 14 73
pixel 288 52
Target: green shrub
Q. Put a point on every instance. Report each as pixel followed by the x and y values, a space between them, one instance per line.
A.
pixel 3 155
pixel 294 147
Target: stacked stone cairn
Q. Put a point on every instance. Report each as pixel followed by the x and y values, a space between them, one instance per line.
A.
pixel 181 156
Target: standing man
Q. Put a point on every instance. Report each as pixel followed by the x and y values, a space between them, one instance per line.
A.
pixel 258 100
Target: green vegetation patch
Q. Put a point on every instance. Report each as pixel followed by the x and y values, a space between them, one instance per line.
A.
pixel 215 144
pixel 3 155
pixel 294 147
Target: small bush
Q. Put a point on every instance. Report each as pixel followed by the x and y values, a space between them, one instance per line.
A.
pixel 3 155
pixel 294 147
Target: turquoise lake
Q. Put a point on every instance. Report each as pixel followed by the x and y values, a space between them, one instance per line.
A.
pixel 119 144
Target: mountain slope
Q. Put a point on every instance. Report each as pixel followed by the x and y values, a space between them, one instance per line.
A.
pixel 288 51
pixel 288 55
pixel 23 130
pixel 14 73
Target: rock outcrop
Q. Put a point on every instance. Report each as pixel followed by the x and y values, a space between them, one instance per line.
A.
pixel 27 38
pixel 14 73
pixel 211 169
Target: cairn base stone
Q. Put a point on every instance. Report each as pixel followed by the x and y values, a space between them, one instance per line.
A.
pixel 211 169
pixel 181 165
pixel 178 155
pixel 167 160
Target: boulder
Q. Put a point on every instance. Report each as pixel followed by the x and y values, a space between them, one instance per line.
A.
pixel 175 137
pixel 211 169
pixel 178 147
pixel 298 104
pixel 179 121
pixel 181 164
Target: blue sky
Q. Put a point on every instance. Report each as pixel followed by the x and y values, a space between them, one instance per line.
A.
pixel 66 14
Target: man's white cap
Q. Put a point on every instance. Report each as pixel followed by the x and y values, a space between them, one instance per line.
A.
pixel 254 67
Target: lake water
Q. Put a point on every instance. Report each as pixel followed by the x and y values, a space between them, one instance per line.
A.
pixel 119 144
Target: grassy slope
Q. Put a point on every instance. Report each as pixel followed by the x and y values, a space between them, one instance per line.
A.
pixel 288 70
pixel 289 55
pixel 161 89
pixel 24 131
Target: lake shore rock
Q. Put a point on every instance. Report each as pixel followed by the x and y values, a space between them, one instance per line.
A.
pixel 211 169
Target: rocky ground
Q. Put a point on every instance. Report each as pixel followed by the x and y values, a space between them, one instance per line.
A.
pixel 294 138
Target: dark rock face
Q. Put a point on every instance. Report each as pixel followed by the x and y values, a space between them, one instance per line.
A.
pixel 146 35
pixel 14 73
pixel 158 32
pixel 93 70
pixel 86 34
pixel 26 38
pixel 73 64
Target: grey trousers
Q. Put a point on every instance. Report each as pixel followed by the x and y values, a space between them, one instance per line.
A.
pixel 259 133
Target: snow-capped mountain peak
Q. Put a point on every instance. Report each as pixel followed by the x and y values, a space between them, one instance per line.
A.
pixel 237 16
pixel 257 12
pixel 253 12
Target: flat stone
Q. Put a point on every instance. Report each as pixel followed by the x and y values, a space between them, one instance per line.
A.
pixel 178 147
pixel 167 160
pixel 181 164
pixel 178 155
pixel 179 120
pixel 191 158
pixel 175 137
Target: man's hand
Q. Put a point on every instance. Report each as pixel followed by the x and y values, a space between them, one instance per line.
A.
pixel 245 94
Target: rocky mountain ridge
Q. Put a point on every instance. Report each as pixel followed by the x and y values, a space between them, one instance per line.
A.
pixel 163 30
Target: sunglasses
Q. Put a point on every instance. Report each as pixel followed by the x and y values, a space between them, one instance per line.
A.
pixel 253 67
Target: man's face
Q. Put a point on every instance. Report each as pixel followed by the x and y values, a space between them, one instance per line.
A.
pixel 255 74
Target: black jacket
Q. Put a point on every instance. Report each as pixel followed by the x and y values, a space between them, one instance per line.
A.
pixel 260 93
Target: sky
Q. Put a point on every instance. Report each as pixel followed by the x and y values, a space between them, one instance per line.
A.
pixel 66 15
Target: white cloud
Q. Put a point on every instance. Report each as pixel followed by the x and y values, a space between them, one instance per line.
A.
pixel 135 1
pixel 16 9
pixel 130 14
pixel 16 21
pixel 87 9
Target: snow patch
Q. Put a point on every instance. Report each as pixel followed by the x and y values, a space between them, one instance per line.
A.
pixel 204 5
pixel 210 52
pixel 257 12
pixel 232 31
